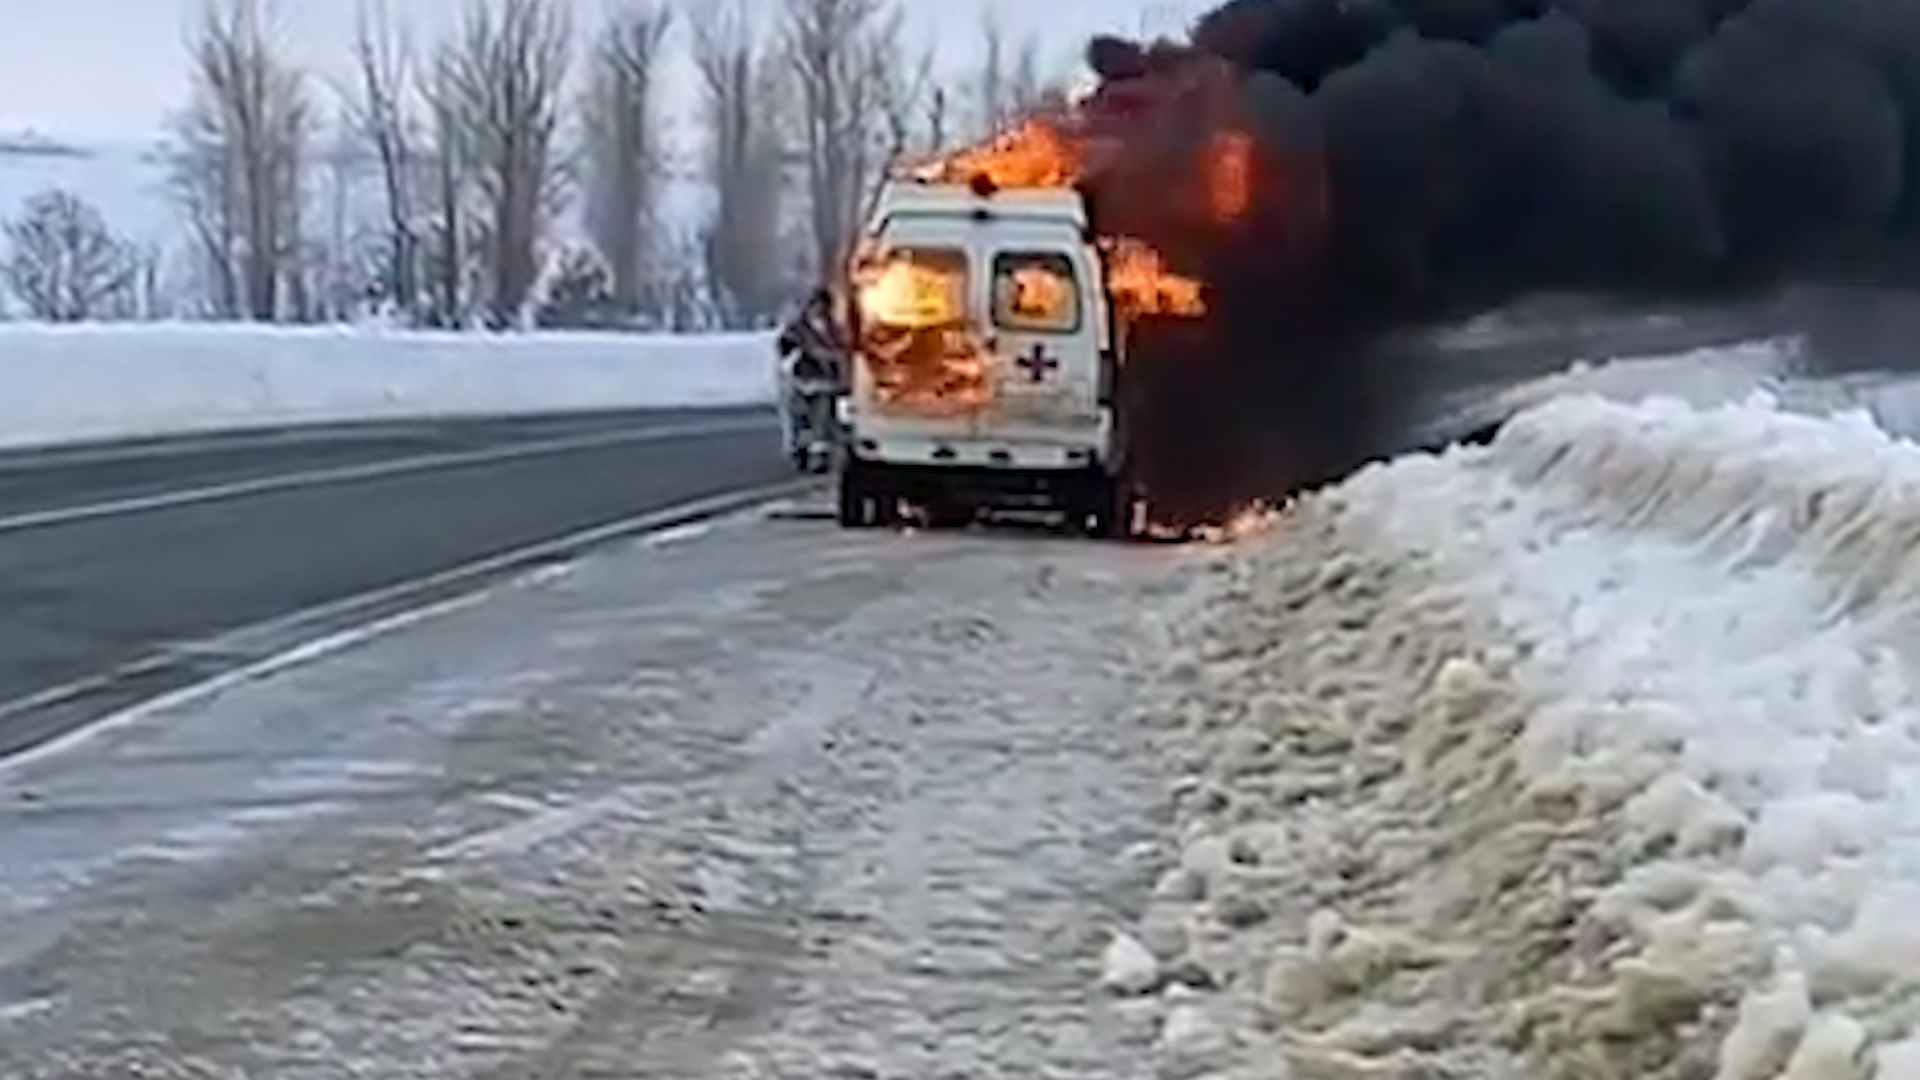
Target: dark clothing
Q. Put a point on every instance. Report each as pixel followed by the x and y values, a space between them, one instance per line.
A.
pixel 811 341
pixel 812 378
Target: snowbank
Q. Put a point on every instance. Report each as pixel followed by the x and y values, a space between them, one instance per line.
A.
pixel 1705 378
pixel 1594 753
pixel 61 384
pixel 1699 376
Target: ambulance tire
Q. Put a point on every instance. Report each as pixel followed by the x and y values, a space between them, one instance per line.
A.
pixel 1111 508
pixel 867 497
pixel 857 508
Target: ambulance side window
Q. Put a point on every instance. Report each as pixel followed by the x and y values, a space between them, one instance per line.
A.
pixel 1035 292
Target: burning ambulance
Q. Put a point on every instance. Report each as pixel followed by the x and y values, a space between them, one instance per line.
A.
pixel 1025 323
pixel 989 327
pixel 984 360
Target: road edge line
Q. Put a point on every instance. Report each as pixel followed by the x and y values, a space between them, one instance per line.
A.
pixel 471 582
pixel 374 470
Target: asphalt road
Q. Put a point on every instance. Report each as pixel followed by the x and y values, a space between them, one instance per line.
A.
pixel 128 570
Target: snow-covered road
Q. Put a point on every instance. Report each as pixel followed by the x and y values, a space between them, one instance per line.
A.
pixel 1590 755
pixel 763 800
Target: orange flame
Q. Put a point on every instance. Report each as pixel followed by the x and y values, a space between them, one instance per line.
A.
pixel 1042 152
pixel 1142 285
pixel 924 359
pixel 1249 522
pixel 1037 293
pixel 907 295
pixel 1229 170
pixel 1033 154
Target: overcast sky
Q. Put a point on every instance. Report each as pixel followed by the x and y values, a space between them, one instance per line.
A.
pixel 113 68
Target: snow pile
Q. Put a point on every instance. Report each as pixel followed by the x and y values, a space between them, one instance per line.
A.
pixel 1710 376
pixel 74 383
pixel 1700 376
pixel 1591 754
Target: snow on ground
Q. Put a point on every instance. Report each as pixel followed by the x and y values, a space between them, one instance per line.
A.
pixel 1706 377
pixel 111 380
pixel 765 801
pixel 1709 376
pixel 1698 376
pixel 1591 754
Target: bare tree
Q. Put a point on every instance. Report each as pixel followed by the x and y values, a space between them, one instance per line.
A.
pixel 939 119
pixel 741 85
pixel 990 83
pixel 905 93
pixel 64 263
pixel 1028 88
pixel 576 291
pixel 146 298
pixel 452 231
pixel 839 51
pixel 499 93
pixel 343 273
pixel 1009 84
pixel 240 166
pixel 381 111
pixel 623 143
pixel 681 296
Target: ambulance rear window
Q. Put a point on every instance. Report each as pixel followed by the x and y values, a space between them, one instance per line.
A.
pixel 914 288
pixel 1035 292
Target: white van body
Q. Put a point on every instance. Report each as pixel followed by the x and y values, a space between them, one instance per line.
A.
pixel 1041 424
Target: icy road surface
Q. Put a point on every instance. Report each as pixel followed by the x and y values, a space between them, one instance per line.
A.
pixel 764 801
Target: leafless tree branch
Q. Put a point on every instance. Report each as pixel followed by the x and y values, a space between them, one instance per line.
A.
pixel 741 81
pixel 904 91
pixel 381 111
pixel 836 50
pixel 625 155
pixel 497 98
pixel 1009 84
pixel 64 263
pixel 240 167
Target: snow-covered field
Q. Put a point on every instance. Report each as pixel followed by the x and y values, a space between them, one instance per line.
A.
pixel 60 384
pixel 125 181
pixel 1592 754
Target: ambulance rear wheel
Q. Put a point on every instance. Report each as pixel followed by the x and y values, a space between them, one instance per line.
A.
pixel 857 507
pixel 1113 509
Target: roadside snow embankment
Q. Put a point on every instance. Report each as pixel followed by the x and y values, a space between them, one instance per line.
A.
pixel 68 384
pixel 1593 754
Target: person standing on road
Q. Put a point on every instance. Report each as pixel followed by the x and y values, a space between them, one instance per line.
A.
pixel 812 377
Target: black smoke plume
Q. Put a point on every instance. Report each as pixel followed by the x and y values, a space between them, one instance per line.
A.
pixel 1424 159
